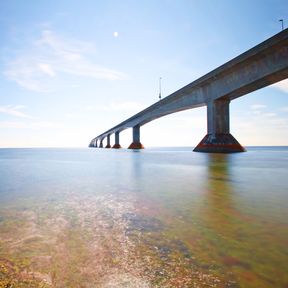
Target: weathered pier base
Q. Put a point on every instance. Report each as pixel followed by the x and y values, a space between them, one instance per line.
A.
pixel 136 144
pixel 218 138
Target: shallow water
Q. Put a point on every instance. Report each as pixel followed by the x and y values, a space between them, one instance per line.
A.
pixel 164 217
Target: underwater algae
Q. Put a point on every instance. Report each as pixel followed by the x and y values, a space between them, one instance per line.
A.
pixel 99 242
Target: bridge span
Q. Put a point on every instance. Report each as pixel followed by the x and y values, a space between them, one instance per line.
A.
pixel 263 65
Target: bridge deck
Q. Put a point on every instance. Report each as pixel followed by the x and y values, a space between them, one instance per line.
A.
pixel 263 65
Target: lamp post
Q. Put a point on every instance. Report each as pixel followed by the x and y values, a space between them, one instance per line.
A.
pixel 282 23
pixel 160 88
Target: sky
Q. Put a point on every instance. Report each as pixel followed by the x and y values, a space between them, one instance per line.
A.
pixel 70 70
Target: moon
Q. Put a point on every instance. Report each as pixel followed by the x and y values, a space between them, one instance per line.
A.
pixel 115 34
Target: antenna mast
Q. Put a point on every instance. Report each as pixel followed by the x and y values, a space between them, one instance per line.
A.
pixel 160 88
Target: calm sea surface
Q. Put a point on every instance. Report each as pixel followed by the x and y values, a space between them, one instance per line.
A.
pixel 153 218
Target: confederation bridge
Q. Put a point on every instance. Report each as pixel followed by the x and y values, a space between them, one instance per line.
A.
pixel 263 65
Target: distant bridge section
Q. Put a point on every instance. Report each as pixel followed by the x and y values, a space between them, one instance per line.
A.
pixel 263 65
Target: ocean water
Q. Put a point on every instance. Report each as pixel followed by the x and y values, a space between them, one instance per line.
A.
pixel 161 217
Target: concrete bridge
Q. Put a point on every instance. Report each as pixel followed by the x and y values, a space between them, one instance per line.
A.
pixel 263 65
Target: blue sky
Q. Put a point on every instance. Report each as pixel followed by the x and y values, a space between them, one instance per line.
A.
pixel 69 70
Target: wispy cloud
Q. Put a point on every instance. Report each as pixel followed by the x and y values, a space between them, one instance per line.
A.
pixel 124 106
pixel 258 106
pixel 47 69
pixel 262 117
pixel 257 109
pixel 28 125
pixel 268 121
pixel 23 120
pixel 14 111
pixel 282 85
pixel 50 55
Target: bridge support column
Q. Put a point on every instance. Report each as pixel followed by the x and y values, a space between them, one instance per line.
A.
pixel 136 144
pixel 101 143
pixel 93 143
pixel 108 142
pixel 117 142
pixel 218 138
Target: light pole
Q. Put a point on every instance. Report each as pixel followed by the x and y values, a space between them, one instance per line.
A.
pixel 282 23
pixel 160 88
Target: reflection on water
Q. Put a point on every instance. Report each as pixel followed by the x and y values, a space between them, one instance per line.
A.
pixel 153 218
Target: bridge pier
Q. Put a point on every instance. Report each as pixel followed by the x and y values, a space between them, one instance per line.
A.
pixel 101 143
pixel 93 143
pixel 136 144
pixel 117 141
pixel 108 141
pixel 218 138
